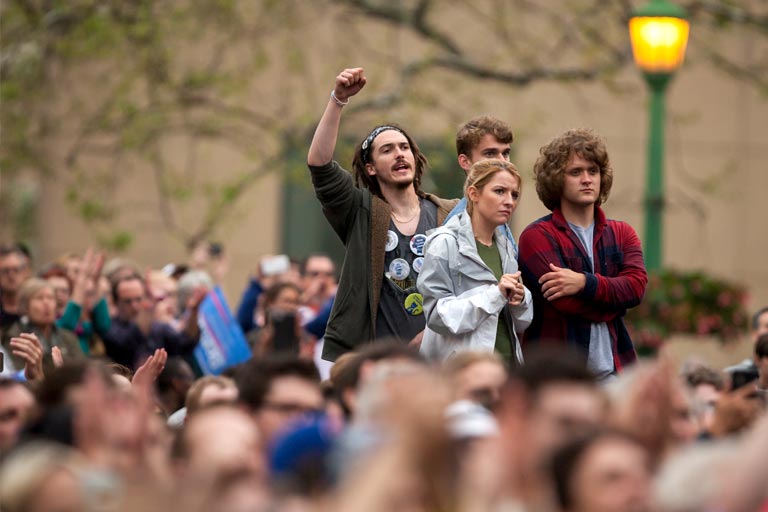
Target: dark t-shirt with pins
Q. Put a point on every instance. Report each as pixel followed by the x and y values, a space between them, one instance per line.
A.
pixel 401 314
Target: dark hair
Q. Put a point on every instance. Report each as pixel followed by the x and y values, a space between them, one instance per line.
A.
pixel 58 381
pixel 373 352
pixel 364 156
pixel 174 369
pixel 254 378
pixel 567 459
pixel 18 249
pixel 347 375
pixel 761 346
pixel 546 365
pixel 705 375
pixel 756 317
pixel 549 169
pixel 470 133
pixel 273 292
pixel 129 277
pixel 119 369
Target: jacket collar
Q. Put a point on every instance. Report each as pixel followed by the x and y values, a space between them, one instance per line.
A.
pixel 461 227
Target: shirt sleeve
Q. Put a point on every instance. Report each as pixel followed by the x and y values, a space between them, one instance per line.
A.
pixel 70 317
pixel 538 249
pixel 247 307
pixel 338 195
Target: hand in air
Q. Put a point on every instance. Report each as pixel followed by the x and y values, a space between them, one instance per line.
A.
pixel 348 83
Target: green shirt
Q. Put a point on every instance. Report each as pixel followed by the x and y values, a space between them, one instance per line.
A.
pixel 492 258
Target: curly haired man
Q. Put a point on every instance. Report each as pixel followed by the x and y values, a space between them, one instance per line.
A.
pixel 583 270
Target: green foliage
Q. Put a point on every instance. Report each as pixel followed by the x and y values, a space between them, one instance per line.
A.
pixel 687 303
pixel 116 242
pixel 146 86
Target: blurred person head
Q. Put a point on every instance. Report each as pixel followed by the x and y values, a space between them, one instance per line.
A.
pixel 652 389
pixel 282 296
pixel 563 400
pixel 705 385
pixel 218 442
pixel 174 382
pixel 117 269
pixel 318 276
pixel 606 471
pixel 210 390
pixel 761 360
pixel 201 252
pixel 16 404
pixel 130 297
pixel 15 268
pixel 42 477
pixel 383 385
pixel 278 390
pixel 402 431
pixel 477 376
pixel 554 157
pixel 481 138
pixel 165 292
pixel 191 281
pixel 58 278
pixel 63 384
pixel 349 374
pixel 70 262
pixel 300 459
pixel 759 323
pixel 693 479
pixel 37 301
pixel 121 376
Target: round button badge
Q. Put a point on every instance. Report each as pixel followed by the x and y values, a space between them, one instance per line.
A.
pixel 399 269
pixel 417 264
pixel 417 244
pixel 414 304
pixel 391 241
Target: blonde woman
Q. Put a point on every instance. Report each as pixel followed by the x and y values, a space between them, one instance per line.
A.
pixel 474 298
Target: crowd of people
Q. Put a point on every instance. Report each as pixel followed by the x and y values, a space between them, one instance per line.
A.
pixel 447 366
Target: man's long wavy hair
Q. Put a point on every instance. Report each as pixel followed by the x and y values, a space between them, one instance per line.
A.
pixel 363 157
pixel 549 169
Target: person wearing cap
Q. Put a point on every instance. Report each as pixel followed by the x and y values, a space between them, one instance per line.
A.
pixel 382 217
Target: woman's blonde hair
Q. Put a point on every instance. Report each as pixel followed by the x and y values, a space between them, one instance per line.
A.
pixel 481 173
pixel 28 290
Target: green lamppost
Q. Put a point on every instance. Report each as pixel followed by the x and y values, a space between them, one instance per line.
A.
pixel 659 34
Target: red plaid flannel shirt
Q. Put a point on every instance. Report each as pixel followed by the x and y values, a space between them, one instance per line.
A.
pixel 617 283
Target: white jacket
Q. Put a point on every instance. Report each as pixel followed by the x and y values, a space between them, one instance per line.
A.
pixel 462 300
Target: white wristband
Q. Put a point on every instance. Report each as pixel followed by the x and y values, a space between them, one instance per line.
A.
pixel 337 100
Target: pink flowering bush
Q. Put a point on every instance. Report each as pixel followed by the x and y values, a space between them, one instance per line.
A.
pixel 687 303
